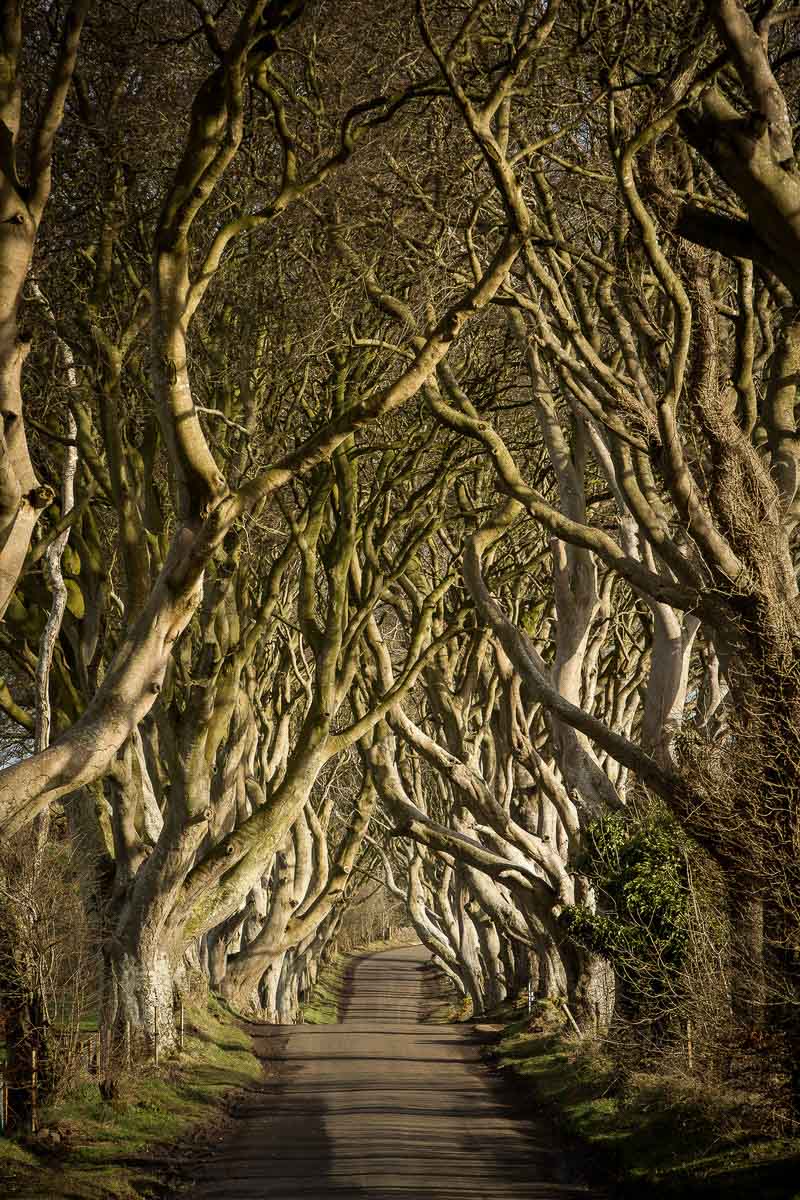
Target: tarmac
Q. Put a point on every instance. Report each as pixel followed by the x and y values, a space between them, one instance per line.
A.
pixel 383 1106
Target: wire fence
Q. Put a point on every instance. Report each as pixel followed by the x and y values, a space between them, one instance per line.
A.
pixel 90 1054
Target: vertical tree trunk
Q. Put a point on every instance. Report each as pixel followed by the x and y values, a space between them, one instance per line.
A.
pixel 287 990
pixel 591 989
pixel 469 951
pixel 748 979
pixel 140 986
pixel 549 979
pixel 270 987
pixel 14 1006
pixel 495 990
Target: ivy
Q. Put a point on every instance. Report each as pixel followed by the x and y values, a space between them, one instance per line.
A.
pixel 638 869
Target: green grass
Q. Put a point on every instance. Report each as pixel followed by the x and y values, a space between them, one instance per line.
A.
pixel 654 1137
pixel 324 1006
pixel 109 1147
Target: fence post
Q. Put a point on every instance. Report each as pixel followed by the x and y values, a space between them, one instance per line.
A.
pixel 572 1020
pixel 34 1089
pixel 93 1053
pixel 108 1039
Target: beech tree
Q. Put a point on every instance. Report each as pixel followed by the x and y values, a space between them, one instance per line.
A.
pixel 279 955
pixel 186 840
pixel 26 172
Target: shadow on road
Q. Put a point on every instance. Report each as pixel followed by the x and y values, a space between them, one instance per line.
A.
pixel 383 1106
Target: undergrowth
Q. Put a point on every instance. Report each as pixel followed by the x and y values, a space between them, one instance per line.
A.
pixel 655 1135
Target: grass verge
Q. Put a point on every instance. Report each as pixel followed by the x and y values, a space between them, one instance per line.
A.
pixel 324 1005
pixel 122 1150
pixel 649 1136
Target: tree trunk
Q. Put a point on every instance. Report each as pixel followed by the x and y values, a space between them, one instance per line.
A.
pixel 591 989
pixel 217 951
pixel 748 982
pixel 469 953
pixel 287 990
pixel 19 1062
pixel 494 976
pixel 270 987
pixel 550 979
pixel 139 997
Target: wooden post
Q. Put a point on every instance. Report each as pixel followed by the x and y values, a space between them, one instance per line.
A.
pixel 572 1020
pixel 93 1053
pixel 34 1089
pixel 110 1065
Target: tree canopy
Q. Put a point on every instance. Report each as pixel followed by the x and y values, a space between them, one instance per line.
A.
pixel 399 482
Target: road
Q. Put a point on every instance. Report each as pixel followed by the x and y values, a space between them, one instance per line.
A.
pixel 382 1106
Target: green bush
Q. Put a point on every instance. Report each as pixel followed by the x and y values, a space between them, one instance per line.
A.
pixel 637 867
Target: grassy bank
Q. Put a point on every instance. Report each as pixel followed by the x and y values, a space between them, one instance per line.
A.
pixel 121 1150
pixel 324 1006
pixel 650 1136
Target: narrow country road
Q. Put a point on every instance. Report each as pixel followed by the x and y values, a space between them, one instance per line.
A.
pixel 382 1106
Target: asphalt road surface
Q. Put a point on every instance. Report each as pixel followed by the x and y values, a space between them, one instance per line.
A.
pixel 382 1106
